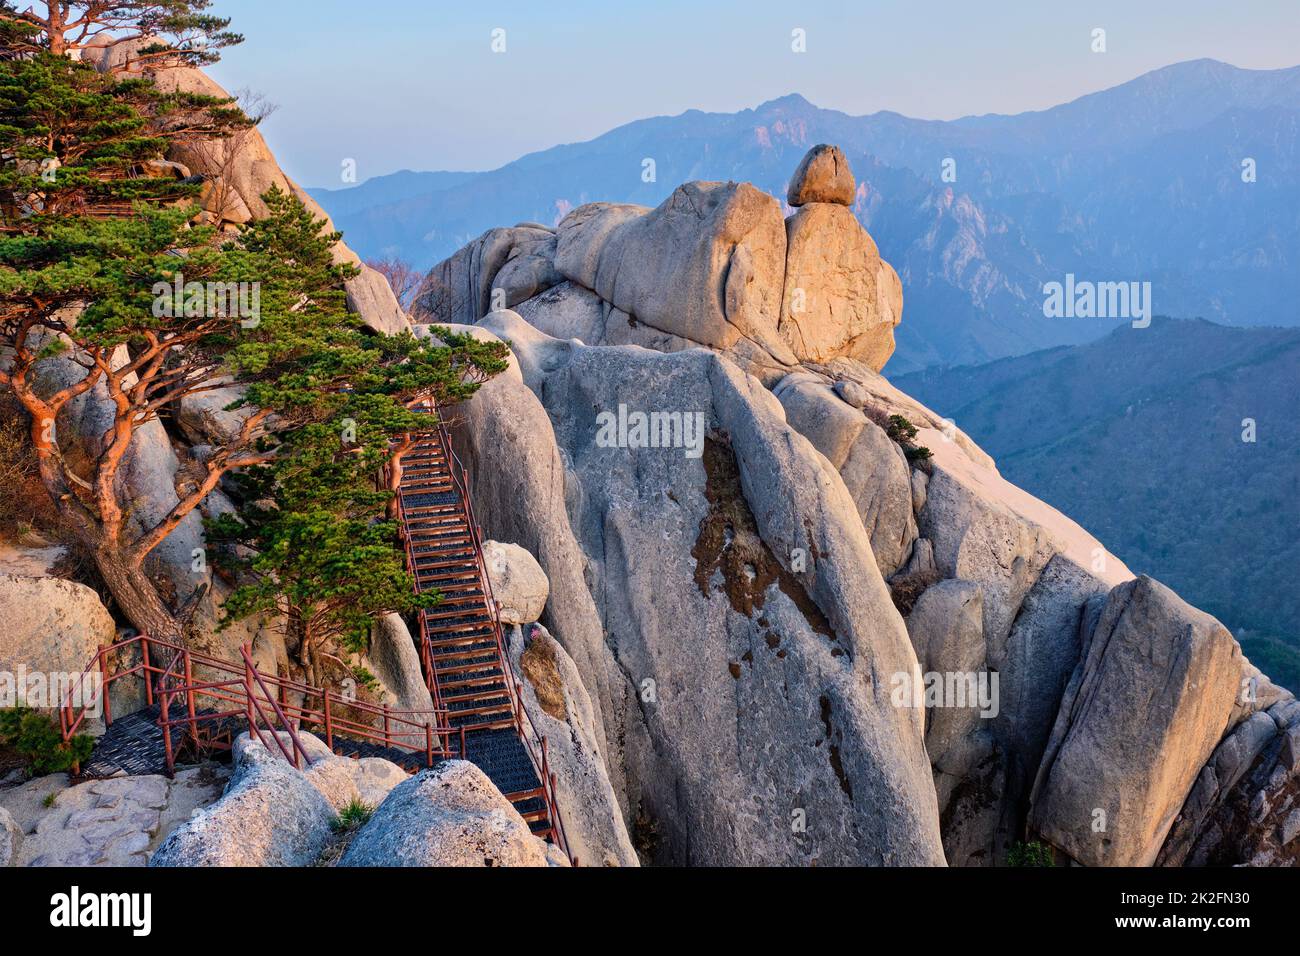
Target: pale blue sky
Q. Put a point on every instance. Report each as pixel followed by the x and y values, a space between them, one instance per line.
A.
pixel 414 84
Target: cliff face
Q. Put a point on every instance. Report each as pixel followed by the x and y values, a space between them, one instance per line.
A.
pixel 784 609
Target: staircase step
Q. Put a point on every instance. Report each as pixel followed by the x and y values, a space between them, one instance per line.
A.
pixel 468 669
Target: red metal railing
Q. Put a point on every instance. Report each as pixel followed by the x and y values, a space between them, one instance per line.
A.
pixel 540 761
pixel 266 702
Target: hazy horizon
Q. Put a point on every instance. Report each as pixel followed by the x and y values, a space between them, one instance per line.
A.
pixel 436 97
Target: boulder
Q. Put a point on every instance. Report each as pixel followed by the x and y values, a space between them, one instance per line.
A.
pixel 1144 709
pixel 459 290
pixel 529 268
pixel 449 816
pixel 559 710
pixel 841 299
pixel 51 626
pixel 375 779
pixel 206 419
pixel 567 311
pixel 814 410
pixel 879 478
pixel 852 392
pixel 518 582
pixel 270 815
pixel 395 661
pixel 11 839
pixel 371 297
pixel 823 176
pixel 706 265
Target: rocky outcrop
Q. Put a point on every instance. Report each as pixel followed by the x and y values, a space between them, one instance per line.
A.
pixel 1244 808
pixel 206 417
pixel 498 270
pixel 371 297
pixel 709 644
pixel 1142 714
pixel 946 627
pixel 705 265
pixel 873 468
pixel 448 816
pixel 714 265
pixel 559 710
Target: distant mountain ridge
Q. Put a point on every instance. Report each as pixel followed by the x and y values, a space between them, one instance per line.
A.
pixel 1139 438
pixel 1138 182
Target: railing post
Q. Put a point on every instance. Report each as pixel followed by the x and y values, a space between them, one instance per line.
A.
pixel 428 745
pixel 248 695
pixel 167 732
pixel 189 697
pixel 144 663
pixel 103 689
pixel 388 738
pixel 329 731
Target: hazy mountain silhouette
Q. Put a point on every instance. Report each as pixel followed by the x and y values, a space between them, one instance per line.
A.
pixel 1141 182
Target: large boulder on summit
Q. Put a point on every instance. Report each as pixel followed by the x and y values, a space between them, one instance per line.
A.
pixel 1146 707
pixel 714 265
pixel 449 816
pixel 823 176
pixel 841 298
pixel 737 603
pixel 706 265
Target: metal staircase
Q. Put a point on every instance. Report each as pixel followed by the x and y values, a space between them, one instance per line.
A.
pixel 461 641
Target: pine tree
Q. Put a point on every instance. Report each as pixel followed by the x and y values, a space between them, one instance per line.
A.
pixel 131 301
pixel 76 142
pixel 179 32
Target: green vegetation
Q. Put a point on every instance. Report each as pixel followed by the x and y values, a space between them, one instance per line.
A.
pixel 902 431
pixel 38 741
pixel 106 264
pixel 355 814
pixel 1032 853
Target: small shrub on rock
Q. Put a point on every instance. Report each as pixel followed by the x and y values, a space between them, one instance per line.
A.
pixel 38 741
pixel 1032 853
